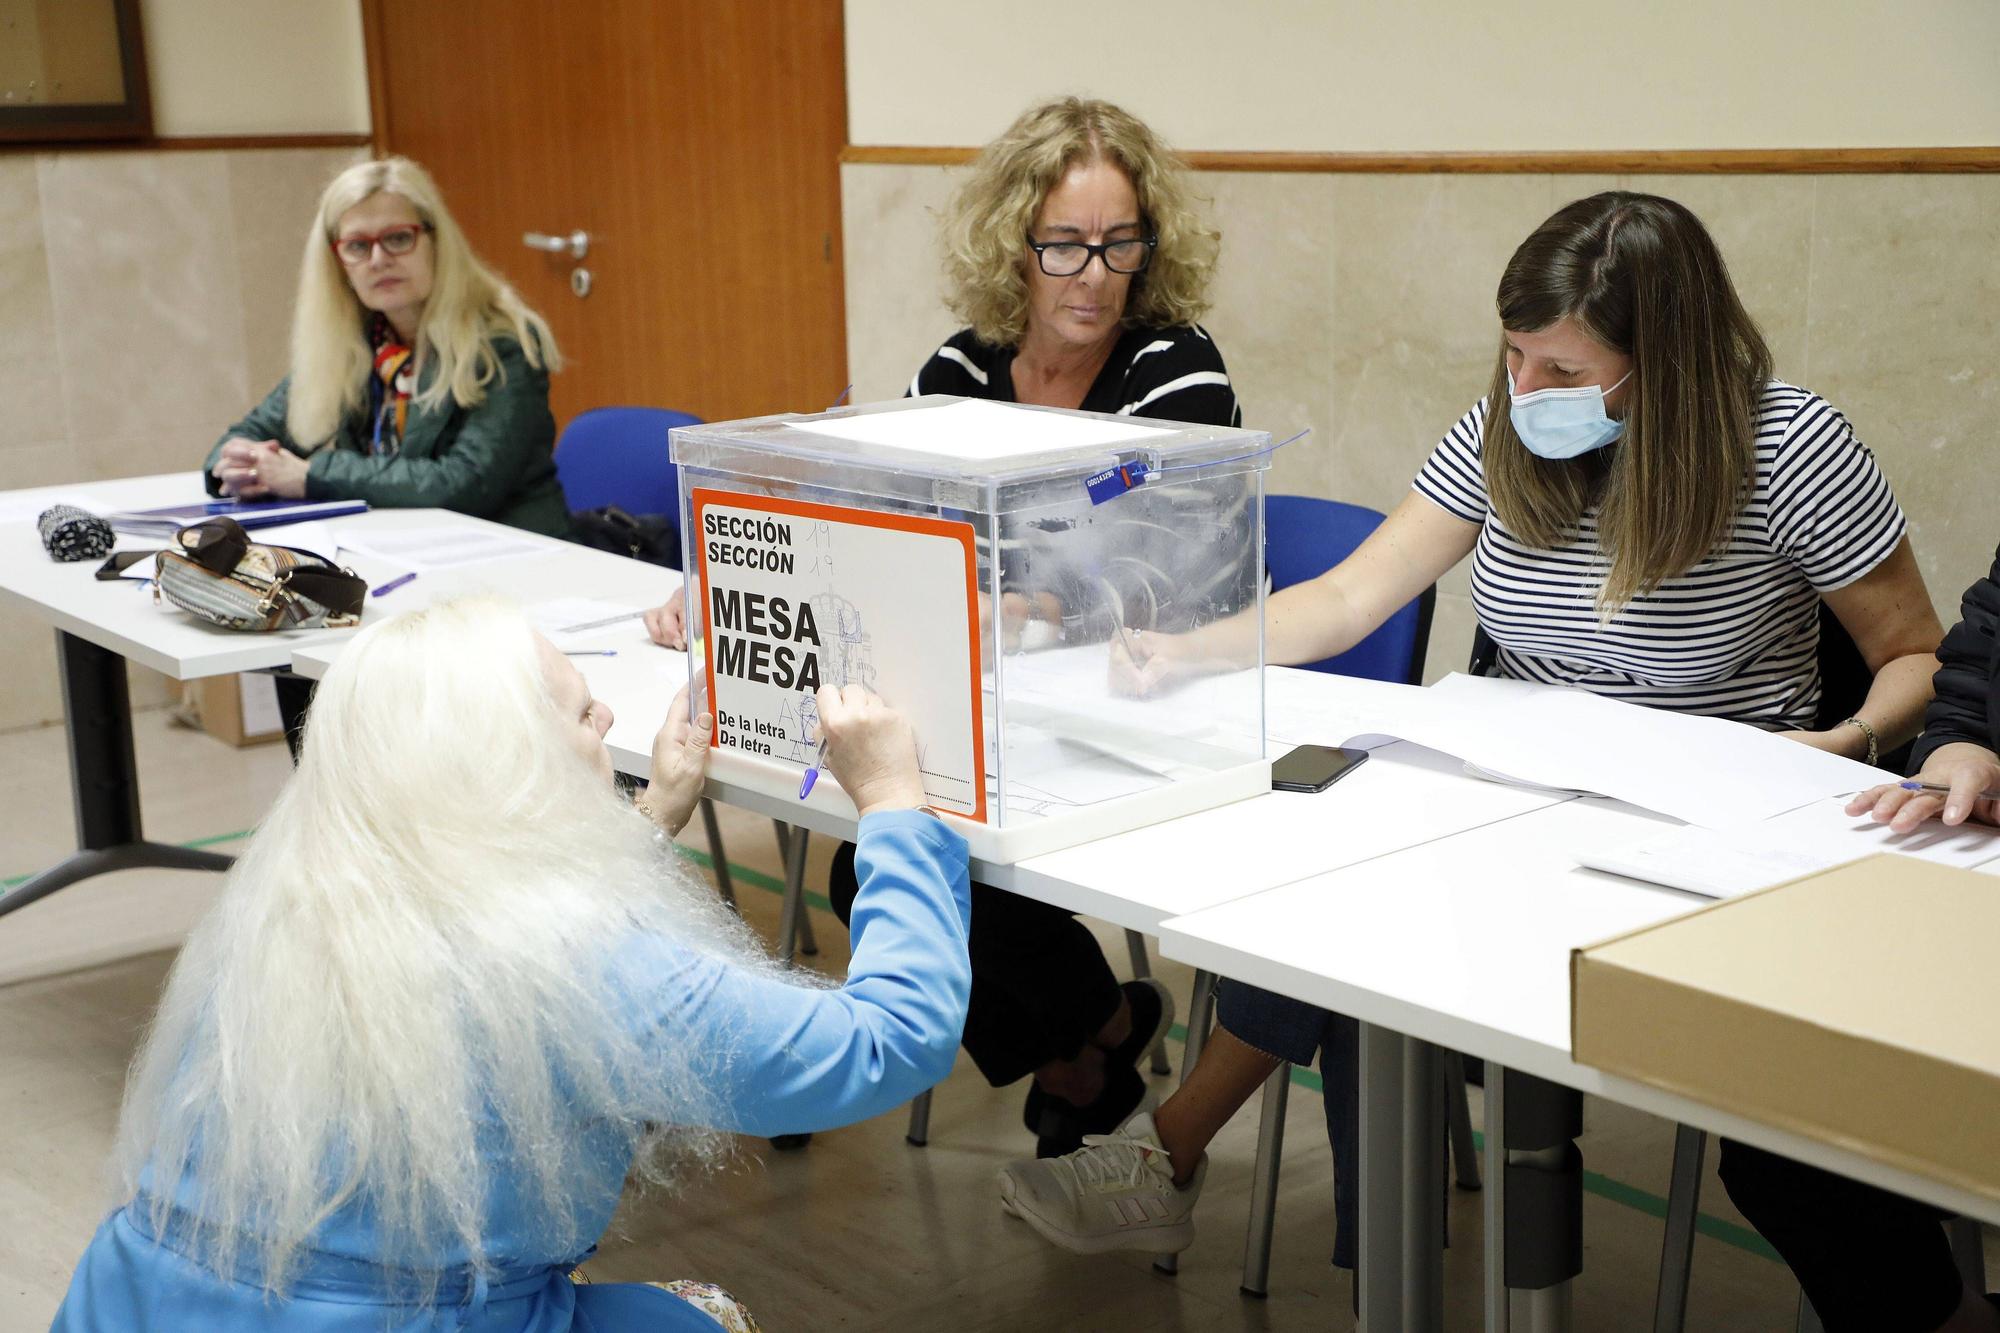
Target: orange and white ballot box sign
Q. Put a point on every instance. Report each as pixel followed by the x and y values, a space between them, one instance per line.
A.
pixel 796 595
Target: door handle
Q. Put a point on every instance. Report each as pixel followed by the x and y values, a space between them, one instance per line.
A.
pixel 576 245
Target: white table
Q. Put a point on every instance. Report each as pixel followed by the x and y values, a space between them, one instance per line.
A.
pixel 1465 943
pixel 100 625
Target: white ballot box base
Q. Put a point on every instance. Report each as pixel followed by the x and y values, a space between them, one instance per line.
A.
pixel 771 788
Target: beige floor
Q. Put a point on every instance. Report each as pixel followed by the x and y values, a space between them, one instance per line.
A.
pixel 860 1231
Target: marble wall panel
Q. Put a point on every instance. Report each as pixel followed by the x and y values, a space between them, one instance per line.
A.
pixel 1416 261
pixel 1904 337
pixel 31 408
pixel 149 323
pixel 273 196
pixel 1273 288
pixel 896 315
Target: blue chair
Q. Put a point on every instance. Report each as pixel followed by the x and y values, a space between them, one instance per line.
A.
pixel 1303 538
pixel 618 456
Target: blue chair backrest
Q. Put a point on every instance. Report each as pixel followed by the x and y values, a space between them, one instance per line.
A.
pixel 618 456
pixel 1303 538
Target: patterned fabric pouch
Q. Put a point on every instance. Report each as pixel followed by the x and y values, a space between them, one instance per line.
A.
pixel 213 570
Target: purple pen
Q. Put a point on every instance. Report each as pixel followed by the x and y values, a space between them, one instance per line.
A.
pixel 812 774
pixel 394 584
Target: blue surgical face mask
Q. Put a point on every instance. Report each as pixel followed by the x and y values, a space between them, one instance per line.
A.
pixel 1562 423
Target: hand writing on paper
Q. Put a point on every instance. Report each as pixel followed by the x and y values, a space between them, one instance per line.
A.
pixel 680 765
pixel 668 624
pixel 1968 771
pixel 870 750
pixel 1143 663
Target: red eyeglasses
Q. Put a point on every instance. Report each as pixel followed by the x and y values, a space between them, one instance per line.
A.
pixel 395 242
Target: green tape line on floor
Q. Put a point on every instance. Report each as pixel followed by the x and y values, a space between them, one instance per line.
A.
pixel 1716 1228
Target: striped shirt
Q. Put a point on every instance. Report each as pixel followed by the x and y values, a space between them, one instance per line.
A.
pixel 1175 374
pixel 1167 556
pixel 1736 636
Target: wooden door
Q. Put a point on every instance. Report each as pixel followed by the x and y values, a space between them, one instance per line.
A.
pixel 697 144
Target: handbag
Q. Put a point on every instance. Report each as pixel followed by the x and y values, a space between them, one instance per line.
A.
pixel 214 571
pixel 654 538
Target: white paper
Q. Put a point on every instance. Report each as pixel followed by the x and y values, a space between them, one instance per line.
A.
pixel 1703 770
pixel 427 549
pixel 1724 862
pixel 978 431
pixel 571 620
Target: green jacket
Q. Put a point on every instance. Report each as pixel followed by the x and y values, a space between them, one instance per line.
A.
pixel 495 461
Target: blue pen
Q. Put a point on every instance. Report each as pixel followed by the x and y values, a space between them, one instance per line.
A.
pixel 590 652
pixel 394 584
pixel 1990 794
pixel 812 774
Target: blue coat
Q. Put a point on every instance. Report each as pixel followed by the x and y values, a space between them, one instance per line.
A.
pixel 801 1060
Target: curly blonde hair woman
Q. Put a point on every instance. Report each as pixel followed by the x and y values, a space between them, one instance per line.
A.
pixel 419 377
pixel 1004 198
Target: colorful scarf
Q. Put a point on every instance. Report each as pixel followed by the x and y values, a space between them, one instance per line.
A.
pixel 395 380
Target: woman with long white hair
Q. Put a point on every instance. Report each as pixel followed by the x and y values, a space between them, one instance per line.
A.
pixel 418 376
pixel 457 989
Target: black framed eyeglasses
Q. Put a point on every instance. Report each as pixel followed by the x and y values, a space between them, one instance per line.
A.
pixel 1066 259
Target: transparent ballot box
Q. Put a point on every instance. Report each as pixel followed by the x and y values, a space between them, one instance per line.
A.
pixel 992 571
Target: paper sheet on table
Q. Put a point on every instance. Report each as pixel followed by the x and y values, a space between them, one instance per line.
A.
pixel 1702 770
pixel 1721 863
pixel 427 549
pixel 567 621
pixel 978 430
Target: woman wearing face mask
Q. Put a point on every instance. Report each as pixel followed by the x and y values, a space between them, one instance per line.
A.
pixel 1651 516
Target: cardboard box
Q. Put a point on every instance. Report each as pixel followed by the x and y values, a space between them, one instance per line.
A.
pixel 239 710
pixel 1860 1006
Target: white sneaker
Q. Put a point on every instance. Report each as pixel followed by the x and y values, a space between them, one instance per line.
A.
pixel 1117 1192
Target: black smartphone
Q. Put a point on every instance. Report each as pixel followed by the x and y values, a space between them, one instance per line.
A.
pixel 1314 767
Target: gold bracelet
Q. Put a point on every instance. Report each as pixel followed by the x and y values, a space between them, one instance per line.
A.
pixel 1867 731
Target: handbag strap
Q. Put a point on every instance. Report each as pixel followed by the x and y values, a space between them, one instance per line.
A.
pixel 218 545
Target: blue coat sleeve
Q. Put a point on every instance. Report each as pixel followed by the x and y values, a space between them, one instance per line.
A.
pixel 789 1059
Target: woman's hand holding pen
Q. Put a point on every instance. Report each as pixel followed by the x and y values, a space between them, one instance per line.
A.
pixel 1958 782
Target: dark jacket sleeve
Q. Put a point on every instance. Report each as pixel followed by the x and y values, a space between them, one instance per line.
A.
pixel 955 368
pixel 496 447
pixel 1961 711
pixel 266 421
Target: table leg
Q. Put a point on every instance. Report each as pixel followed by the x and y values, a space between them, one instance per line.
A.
pixel 1494 1273
pixel 104 779
pixel 795 841
pixel 1423 1187
pixel 1380 1270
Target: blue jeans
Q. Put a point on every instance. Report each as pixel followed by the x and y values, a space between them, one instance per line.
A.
pixel 1295 1031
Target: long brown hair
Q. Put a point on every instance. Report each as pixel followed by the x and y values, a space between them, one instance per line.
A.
pixel 1642 276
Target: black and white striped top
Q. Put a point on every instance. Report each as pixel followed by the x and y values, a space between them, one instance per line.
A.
pixel 1737 635
pixel 1166 557
pixel 1173 374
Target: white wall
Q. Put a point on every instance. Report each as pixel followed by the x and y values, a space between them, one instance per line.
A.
pixel 227 67
pixel 1440 75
